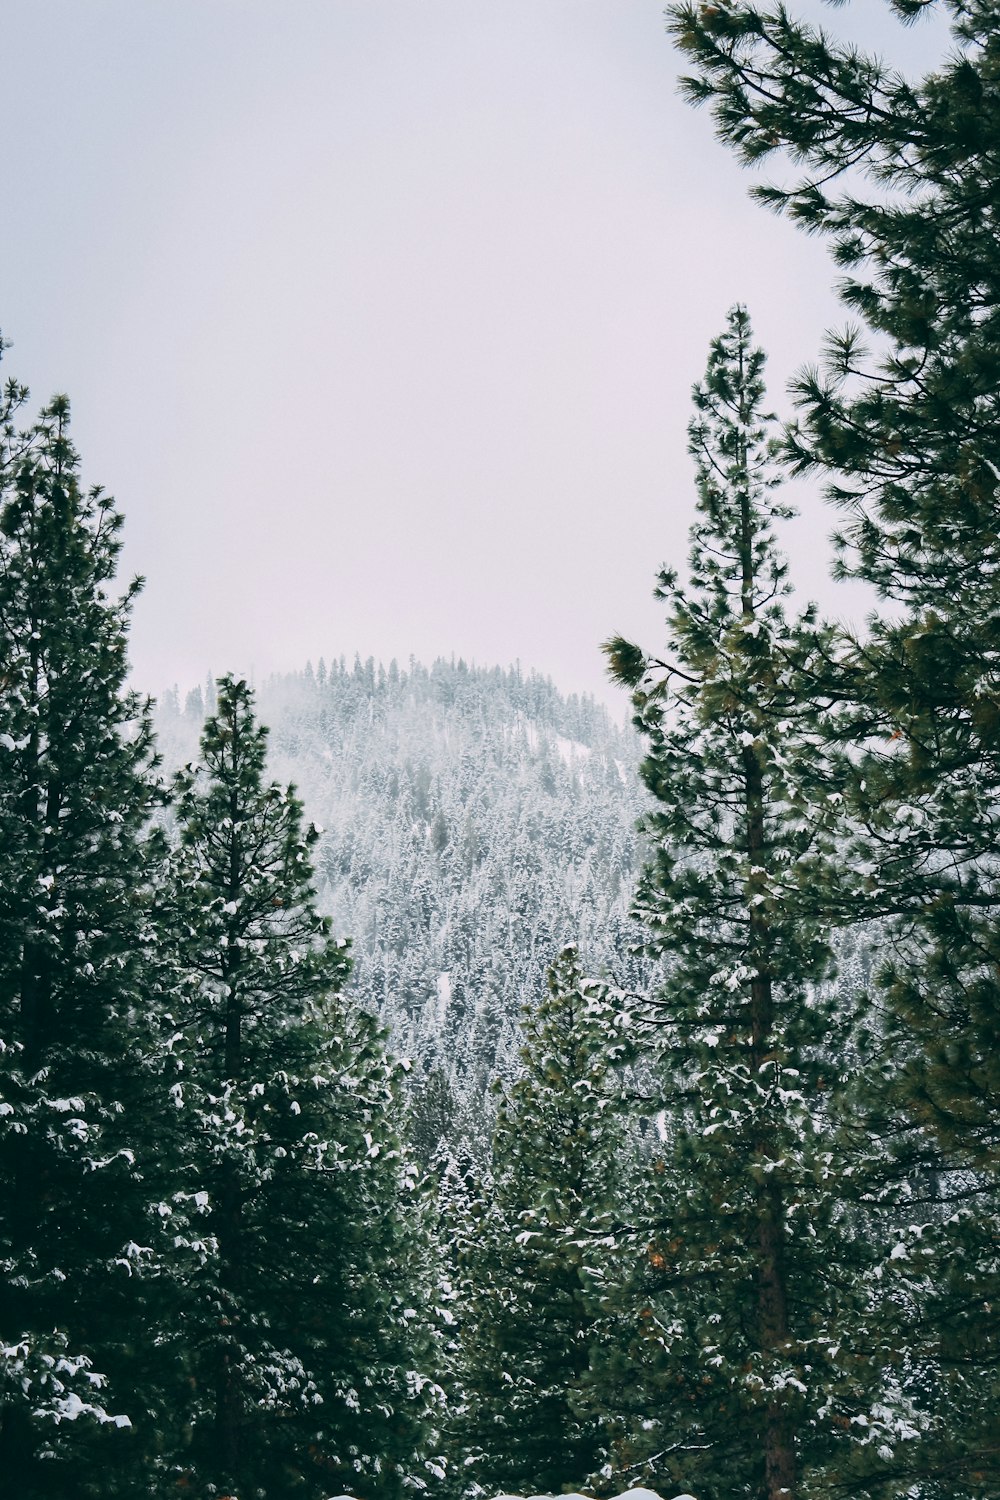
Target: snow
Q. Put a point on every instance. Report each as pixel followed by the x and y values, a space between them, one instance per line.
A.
pixel 443 998
pixel 571 751
pixel 633 1494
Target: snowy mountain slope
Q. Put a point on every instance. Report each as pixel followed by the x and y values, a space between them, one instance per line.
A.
pixel 475 821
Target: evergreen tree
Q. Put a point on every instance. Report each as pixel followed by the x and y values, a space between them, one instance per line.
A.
pixel 294 1240
pixel 907 437
pixel 75 1009
pixel 529 1324
pixel 753 1302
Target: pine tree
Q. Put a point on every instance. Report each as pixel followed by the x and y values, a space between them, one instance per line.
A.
pixel 76 1001
pixel 295 1329
pixel 907 437
pixel 528 1309
pixel 754 1301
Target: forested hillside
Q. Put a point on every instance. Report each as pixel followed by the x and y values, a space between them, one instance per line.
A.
pixel 475 822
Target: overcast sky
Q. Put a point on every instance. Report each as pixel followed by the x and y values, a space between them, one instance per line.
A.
pixel 380 317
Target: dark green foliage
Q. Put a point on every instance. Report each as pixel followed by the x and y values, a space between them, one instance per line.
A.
pixel 907 437
pixel 210 1237
pixel 534 1245
pixel 76 1015
pixel 295 1329
pixel 755 1330
pixel 431 1122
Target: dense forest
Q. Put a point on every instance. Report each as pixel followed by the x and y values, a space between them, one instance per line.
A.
pixel 445 1089
pixel 474 823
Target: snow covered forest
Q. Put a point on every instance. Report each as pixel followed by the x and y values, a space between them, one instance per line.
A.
pixel 413 1081
pixel 474 824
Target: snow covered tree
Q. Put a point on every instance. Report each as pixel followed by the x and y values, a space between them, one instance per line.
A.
pixel 753 1303
pixel 75 1023
pixel 526 1305
pixel 294 1329
pixel 902 177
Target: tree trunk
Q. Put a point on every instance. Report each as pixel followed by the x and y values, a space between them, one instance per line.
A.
pixel 229 1414
pixel 772 1291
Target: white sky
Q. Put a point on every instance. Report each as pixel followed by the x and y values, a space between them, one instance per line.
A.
pixel 380 317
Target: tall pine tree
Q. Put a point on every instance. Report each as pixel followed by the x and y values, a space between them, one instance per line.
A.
pixel 76 1029
pixel 902 177
pixel 754 1306
pixel 301 1349
pixel 528 1303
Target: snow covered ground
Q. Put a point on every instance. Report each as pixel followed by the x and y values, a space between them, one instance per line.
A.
pixel 636 1494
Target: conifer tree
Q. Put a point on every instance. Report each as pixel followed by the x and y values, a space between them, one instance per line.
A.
pixel 295 1333
pixel 528 1311
pixel 752 1293
pixel 76 1027
pixel 907 436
